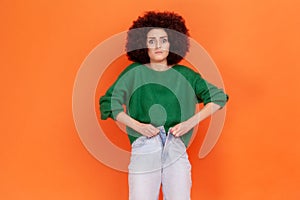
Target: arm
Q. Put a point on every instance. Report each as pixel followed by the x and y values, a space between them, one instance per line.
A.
pixel 144 129
pixel 183 127
pixel 213 99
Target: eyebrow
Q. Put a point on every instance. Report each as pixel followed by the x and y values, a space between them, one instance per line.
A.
pixel 159 37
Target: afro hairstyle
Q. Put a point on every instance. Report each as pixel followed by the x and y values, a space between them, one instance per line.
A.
pixel 172 23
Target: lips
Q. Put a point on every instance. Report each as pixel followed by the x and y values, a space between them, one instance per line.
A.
pixel 158 52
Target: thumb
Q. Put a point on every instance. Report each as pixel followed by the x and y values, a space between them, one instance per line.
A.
pixel 173 129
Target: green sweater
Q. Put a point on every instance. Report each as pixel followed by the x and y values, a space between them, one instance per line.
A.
pixel 162 98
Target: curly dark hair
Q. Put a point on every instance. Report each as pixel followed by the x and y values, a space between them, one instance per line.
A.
pixel 172 23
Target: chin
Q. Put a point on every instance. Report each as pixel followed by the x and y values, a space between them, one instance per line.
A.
pixel 159 58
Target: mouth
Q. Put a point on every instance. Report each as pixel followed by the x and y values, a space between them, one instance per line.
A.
pixel 158 52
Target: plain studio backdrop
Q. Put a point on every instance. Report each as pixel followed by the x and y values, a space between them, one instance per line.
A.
pixel 255 45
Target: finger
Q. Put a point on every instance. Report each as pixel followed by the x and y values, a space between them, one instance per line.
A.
pixel 149 133
pixel 178 133
pixel 154 131
pixel 174 131
pixel 151 129
pixel 175 128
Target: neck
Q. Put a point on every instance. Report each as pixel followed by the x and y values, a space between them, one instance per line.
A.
pixel 159 66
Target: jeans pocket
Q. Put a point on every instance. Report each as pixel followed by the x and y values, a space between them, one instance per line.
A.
pixel 185 158
pixel 145 155
pixel 140 141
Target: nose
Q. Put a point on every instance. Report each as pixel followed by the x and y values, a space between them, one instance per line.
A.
pixel 158 44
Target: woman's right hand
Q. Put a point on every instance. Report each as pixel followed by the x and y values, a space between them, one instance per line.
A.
pixel 147 130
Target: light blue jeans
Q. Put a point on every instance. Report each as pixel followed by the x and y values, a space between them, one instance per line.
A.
pixel 154 163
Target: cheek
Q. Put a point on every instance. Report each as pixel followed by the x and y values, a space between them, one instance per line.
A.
pixel 166 53
pixel 150 52
pixel 167 47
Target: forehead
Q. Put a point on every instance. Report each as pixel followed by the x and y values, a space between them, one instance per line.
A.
pixel 157 32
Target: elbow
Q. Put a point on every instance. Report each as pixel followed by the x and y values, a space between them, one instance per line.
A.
pixel 213 106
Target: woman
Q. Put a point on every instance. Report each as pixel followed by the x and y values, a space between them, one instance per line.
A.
pixel 160 98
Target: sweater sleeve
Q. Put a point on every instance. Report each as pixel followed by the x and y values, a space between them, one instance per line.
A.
pixel 207 92
pixel 111 104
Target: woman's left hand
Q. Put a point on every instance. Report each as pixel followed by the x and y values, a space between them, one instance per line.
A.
pixel 181 128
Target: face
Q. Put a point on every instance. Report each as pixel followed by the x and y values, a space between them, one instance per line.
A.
pixel 158 45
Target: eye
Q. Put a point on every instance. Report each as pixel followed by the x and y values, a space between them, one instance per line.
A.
pixel 165 40
pixel 151 41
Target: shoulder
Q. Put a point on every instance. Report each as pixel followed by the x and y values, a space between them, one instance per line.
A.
pixel 186 71
pixel 130 67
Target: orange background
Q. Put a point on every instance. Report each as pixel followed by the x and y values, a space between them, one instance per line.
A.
pixel 254 43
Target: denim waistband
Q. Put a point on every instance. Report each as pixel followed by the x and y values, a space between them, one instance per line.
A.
pixel 163 134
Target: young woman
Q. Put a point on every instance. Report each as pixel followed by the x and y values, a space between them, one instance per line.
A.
pixel 160 96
